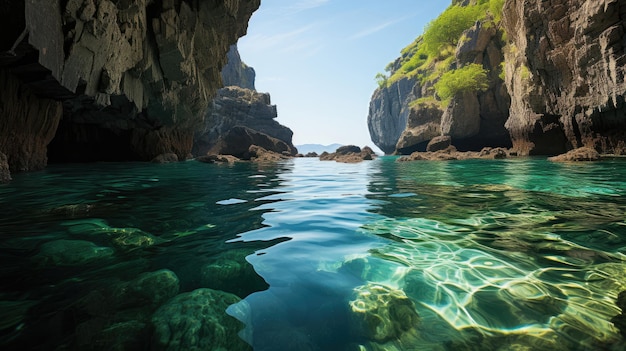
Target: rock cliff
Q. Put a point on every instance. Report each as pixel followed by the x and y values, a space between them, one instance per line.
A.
pixel 556 82
pixel 134 77
pixel 239 117
pixel 406 113
pixel 565 66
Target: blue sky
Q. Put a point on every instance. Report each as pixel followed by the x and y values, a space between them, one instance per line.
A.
pixel 318 59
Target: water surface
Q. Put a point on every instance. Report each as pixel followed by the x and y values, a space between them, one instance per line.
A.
pixel 381 255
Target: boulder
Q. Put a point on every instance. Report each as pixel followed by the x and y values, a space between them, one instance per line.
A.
pixel 439 143
pixel 580 154
pixel 349 154
pixel 72 253
pixel 238 140
pixel 381 313
pixel 197 321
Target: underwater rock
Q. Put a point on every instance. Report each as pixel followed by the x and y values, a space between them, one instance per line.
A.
pixel 72 252
pixel 197 321
pixel 580 154
pixel 130 238
pixel 232 273
pixel 381 313
pixel 73 211
pixel 620 320
pixel 153 288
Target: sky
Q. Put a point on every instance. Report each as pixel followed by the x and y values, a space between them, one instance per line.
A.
pixel 318 59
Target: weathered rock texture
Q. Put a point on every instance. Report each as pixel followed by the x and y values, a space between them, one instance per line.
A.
pixel 135 76
pixel 239 117
pixel 565 71
pixel 389 112
pixel 473 119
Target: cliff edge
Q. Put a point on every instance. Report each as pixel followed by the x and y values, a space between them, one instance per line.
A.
pixel 87 80
pixel 540 77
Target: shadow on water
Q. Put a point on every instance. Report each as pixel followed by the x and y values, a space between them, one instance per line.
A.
pixel 87 255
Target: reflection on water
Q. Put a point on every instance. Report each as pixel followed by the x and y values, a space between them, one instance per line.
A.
pixel 308 255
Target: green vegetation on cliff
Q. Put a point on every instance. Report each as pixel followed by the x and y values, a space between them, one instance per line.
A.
pixel 470 78
pixel 430 58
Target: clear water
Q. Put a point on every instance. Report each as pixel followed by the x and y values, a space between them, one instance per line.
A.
pixel 461 255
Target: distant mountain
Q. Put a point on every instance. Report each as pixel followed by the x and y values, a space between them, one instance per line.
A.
pixel 318 148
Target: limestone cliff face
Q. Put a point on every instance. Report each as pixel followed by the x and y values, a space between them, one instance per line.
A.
pixel 389 112
pixel 239 117
pixel 404 115
pixel 565 68
pixel 135 77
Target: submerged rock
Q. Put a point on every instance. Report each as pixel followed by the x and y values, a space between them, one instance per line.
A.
pixel 381 313
pixel 153 288
pixel 580 154
pixel 232 273
pixel 72 252
pixel 197 321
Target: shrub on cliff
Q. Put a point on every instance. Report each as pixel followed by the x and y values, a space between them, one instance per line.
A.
pixel 471 78
pixel 446 29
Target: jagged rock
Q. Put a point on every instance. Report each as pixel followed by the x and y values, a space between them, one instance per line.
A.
pixel 71 252
pixel 348 149
pixel 311 154
pixel 439 143
pixel 136 76
pixel 238 140
pixel 424 124
pixel 259 154
pixel 451 153
pixel 27 124
pixel 565 72
pixel 349 154
pixel 473 119
pixel 580 154
pixel 389 112
pixel 461 119
pixel 236 72
pixel 234 107
pixel 217 159
pixel 381 313
pixel 197 321
pixel 5 173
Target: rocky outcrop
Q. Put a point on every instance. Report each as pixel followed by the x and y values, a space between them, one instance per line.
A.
pixel 27 124
pixel 349 154
pixel 135 76
pixel 565 70
pixel 238 140
pixel 404 116
pixel 389 112
pixel 238 109
pixel 580 154
pixel 236 72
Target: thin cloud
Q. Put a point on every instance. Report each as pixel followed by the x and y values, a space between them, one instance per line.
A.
pixel 372 30
pixel 306 5
pixel 275 41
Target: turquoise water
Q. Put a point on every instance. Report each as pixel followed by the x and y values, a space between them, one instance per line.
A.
pixel 460 255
